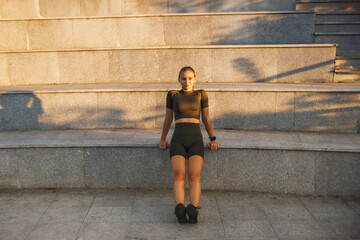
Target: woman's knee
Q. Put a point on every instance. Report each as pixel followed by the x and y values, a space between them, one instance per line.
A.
pixel 194 177
pixel 179 176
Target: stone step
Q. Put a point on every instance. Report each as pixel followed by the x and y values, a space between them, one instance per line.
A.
pixel 328 6
pixel 257 106
pixel 288 162
pixel 157 30
pixel 337 17
pixel 348 62
pixel 77 8
pixel 337 27
pixel 348 42
pixel 347 76
pixel 230 63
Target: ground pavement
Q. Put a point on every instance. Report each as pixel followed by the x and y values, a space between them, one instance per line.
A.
pixel 148 214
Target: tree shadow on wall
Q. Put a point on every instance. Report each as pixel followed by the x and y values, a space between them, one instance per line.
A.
pixel 318 112
pixel 189 6
pixel 28 111
pixel 20 112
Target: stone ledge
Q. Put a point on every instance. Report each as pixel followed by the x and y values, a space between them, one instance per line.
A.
pixel 316 45
pixel 164 87
pixel 135 138
pixel 164 15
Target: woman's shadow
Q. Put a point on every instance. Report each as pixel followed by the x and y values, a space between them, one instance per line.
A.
pixel 20 112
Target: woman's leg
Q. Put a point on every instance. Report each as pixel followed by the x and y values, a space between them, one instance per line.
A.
pixel 195 165
pixel 178 164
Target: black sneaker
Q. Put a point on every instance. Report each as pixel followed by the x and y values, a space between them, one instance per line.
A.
pixel 180 212
pixel 192 212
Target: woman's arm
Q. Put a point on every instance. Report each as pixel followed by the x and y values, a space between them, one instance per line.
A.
pixel 213 145
pixel 167 122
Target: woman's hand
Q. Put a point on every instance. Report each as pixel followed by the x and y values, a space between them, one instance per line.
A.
pixel 163 144
pixel 213 145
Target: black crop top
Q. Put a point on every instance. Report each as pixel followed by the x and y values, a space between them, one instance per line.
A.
pixel 187 104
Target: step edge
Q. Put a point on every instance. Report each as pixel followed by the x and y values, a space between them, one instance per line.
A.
pixel 320 45
pixel 164 87
pixel 163 15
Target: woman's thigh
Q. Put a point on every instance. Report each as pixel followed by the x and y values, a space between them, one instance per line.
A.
pixel 178 164
pixel 195 165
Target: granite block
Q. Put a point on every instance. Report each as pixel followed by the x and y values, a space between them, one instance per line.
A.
pixel 83 67
pixel 151 230
pixel 59 8
pixel 237 29
pixel 136 7
pixel 245 110
pixel 94 7
pixel 9 171
pixel 31 199
pixel 73 199
pixel 325 208
pixel 115 7
pixel 338 174
pixel 44 68
pixel 161 110
pixel 202 230
pixel 13 35
pixel 102 230
pixel 327 112
pixel 248 229
pixel 51 34
pixel 254 170
pixel 289 28
pixel 116 167
pixel 15 231
pixel 155 199
pixel 233 212
pixel 95 33
pixel 285 111
pixel 308 228
pixel 20 112
pixel 127 66
pixel 149 214
pixel 344 228
pixel 187 6
pixel 314 65
pixel 209 172
pixel 138 32
pixel 244 65
pixel 354 203
pixel 64 214
pixel 72 110
pixel 18 9
pixel 115 110
pixel 22 215
pixel 176 30
pixel 56 167
pixel 274 5
pixel 123 198
pixel 4 71
pixel 66 230
pixel 301 168
pixel 160 171
pixel 109 214
pixel 226 6
pixel 172 60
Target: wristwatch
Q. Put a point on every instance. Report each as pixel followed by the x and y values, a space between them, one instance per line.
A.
pixel 212 138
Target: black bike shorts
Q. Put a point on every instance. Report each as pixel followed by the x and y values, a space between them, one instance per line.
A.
pixel 187 140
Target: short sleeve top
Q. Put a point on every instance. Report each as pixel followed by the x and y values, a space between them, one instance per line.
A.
pixel 187 104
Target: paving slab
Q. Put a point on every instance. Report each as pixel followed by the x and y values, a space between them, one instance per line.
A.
pixel 150 216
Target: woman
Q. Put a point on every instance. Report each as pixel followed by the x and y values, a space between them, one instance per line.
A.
pixel 187 141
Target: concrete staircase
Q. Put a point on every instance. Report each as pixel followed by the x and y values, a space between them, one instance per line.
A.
pixel 338 22
pixel 83 86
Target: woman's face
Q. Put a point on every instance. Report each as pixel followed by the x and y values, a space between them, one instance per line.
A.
pixel 187 80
